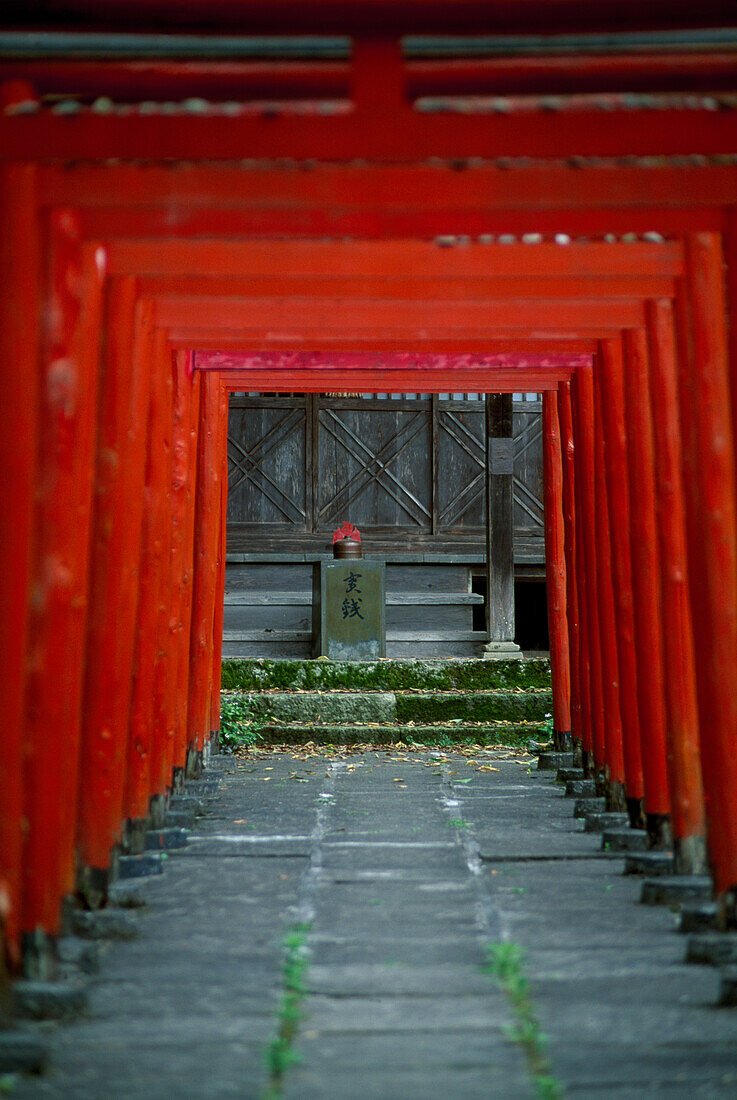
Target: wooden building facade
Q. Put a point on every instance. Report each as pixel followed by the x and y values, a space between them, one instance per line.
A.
pixel 410 470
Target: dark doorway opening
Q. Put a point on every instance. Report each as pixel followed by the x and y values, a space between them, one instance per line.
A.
pixel 531 614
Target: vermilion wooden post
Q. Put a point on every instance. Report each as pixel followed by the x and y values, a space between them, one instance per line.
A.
pixel 646 575
pixel 583 425
pixel 555 568
pixel 712 521
pixel 611 381
pixel 614 755
pixel 203 587
pixel 217 640
pixel 184 418
pixel 565 420
pixel 68 407
pixel 121 455
pixel 145 735
pixel 193 384
pixel 163 717
pixel 20 270
pixel 688 820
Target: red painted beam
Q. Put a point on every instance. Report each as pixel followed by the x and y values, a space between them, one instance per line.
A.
pixel 299 318
pixel 381 136
pixel 335 200
pixel 225 362
pixel 421 286
pixel 417 261
pixel 235 81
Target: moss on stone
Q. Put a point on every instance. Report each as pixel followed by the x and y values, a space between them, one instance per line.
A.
pixel 474 706
pixel 394 675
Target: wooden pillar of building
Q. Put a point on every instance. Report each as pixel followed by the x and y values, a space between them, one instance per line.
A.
pixel 499 528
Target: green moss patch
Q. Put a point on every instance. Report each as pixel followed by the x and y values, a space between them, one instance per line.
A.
pixel 400 675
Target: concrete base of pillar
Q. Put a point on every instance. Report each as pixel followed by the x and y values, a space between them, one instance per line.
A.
pixel 40 958
pixel 690 855
pixel 502 651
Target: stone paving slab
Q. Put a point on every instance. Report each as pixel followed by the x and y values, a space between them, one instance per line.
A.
pixel 401 910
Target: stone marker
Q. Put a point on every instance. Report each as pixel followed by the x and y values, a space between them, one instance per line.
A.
pixel 349 610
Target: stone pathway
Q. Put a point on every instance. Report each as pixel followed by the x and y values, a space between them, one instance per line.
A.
pixel 405 867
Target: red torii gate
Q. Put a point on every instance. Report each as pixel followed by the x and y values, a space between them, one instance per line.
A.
pixel 147 412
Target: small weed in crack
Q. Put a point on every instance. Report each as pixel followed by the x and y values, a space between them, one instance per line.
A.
pixel 506 965
pixel 280 1054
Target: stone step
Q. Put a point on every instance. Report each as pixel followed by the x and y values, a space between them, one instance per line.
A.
pixel 387 675
pixel 509 734
pixel 385 707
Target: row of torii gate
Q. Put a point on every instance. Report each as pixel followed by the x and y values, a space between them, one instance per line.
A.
pixel 147 270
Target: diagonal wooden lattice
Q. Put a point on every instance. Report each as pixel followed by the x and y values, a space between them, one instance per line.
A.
pixel 374 466
pixel 527 435
pixel 247 464
pixel 474 449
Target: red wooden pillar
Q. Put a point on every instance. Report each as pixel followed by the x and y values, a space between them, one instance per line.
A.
pixel 712 521
pixel 688 823
pixel 206 534
pixel 587 569
pixel 217 640
pixel 121 459
pixel 611 382
pixel 146 738
pixel 164 660
pixel 565 420
pixel 613 748
pixel 69 372
pixel 184 483
pixel 555 568
pixel 20 271
pixel 646 586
